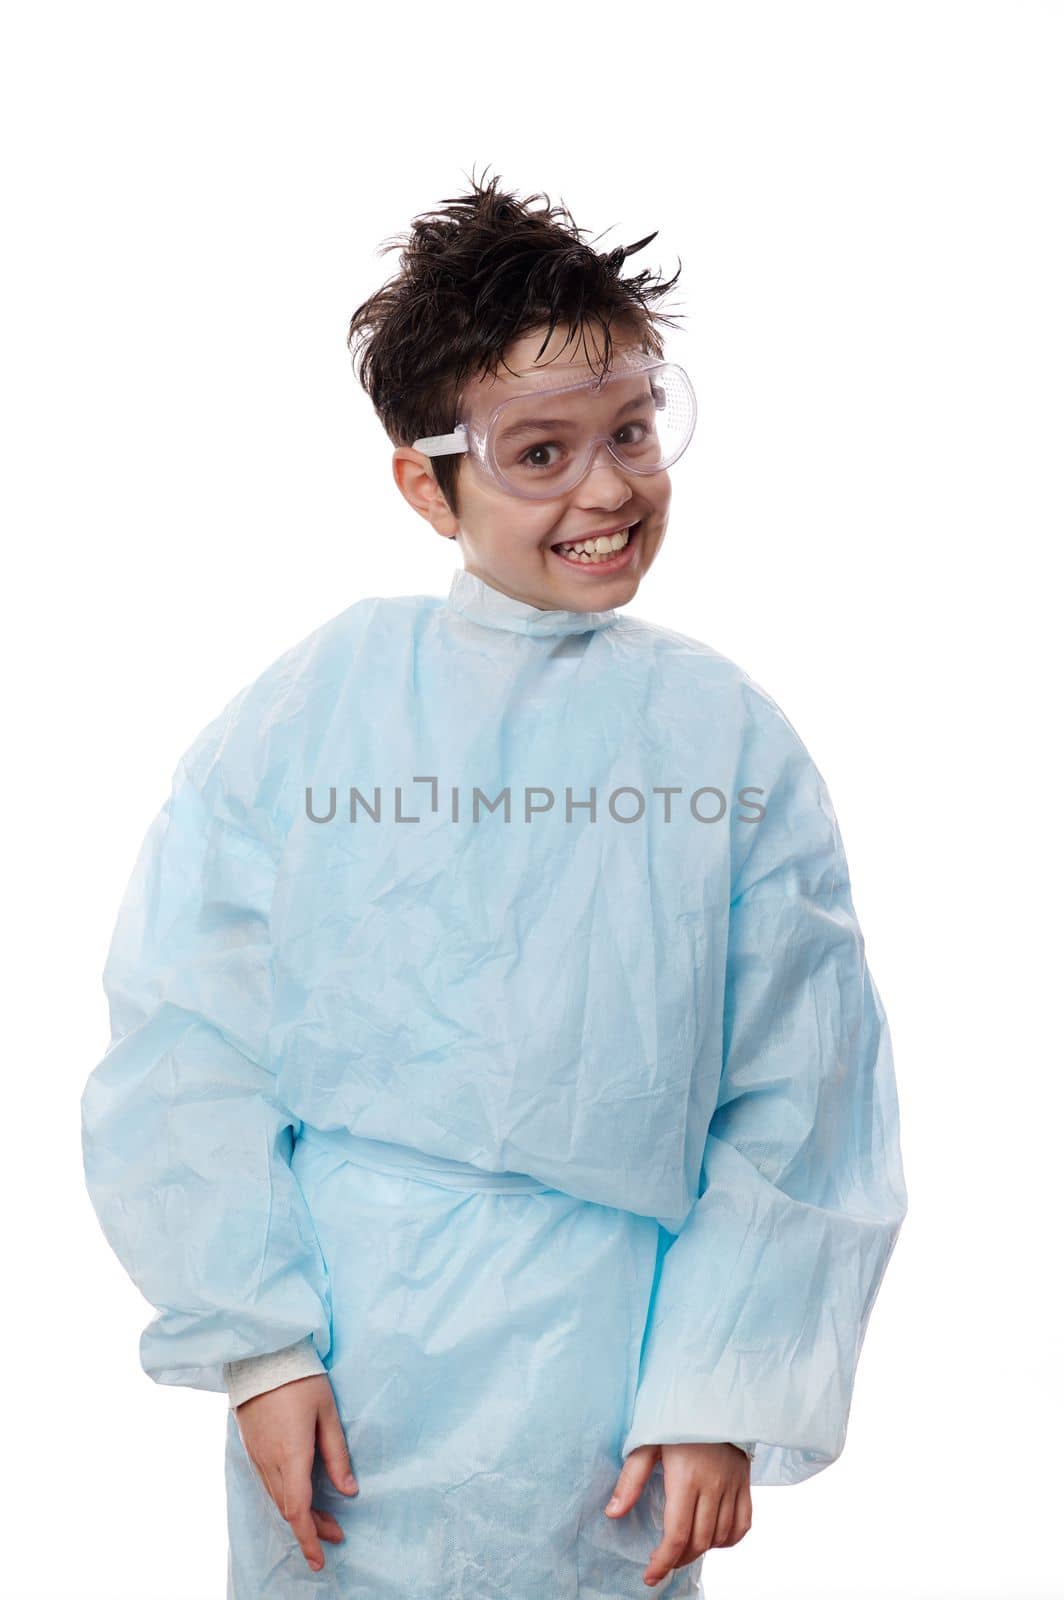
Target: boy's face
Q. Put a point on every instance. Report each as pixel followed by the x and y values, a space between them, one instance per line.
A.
pixel 510 542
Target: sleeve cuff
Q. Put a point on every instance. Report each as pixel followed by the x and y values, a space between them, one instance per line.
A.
pixel 255 1374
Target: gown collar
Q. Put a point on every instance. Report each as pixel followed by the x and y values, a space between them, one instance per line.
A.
pixel 477 601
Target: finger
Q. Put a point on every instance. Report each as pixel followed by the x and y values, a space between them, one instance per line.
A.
pixel 721 1535
pixel 332 1446
pixel 679 1517
pixel 693 1552
pixel 706 1523
pixel 303 1526
pixel 744 1516
pixel 671 1552
pixel 295 1508
pixel 327 1526
pixel 271 1484
pixel 632 1479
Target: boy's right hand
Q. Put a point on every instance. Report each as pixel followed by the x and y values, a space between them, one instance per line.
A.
pixel 280 1429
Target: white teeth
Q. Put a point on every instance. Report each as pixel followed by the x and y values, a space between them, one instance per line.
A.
pixel 598 549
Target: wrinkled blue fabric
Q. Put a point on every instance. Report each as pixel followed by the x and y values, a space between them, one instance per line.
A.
pixel 560 1134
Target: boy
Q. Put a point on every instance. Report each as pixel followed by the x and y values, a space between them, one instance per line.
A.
pixel 499 1101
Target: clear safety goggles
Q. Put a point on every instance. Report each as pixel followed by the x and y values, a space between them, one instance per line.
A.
pixel 542 442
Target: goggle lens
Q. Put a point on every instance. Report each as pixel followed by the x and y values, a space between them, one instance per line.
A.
pixel 541 445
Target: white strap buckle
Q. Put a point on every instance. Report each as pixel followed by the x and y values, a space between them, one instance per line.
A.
pixel 443 444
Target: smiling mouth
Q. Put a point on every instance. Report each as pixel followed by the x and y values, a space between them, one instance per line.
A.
pixel 593 552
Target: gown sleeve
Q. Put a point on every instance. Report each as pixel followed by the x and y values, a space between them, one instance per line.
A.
pixel 186 1150
pixel 764 1294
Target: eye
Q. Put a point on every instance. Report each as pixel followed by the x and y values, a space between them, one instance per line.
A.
pixel 534 450
pixel 645 427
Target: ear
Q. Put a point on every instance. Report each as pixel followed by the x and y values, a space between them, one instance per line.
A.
pixel 417 484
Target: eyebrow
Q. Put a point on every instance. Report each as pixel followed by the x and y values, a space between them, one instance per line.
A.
pixel 537 424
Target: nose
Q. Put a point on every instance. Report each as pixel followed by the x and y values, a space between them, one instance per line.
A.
pixel 602 456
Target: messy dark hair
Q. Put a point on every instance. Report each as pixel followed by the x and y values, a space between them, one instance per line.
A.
pixel 477 273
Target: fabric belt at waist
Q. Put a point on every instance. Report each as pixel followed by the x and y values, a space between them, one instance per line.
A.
pixel 382 1156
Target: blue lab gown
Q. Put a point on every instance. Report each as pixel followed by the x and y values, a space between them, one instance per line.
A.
pixel 541 1082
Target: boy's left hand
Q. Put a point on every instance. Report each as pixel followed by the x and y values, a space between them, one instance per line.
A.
pixel 707 1499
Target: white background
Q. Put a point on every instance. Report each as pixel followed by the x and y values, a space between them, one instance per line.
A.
pixel 866 202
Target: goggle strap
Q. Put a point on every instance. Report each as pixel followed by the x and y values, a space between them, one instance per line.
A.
pixel 443 444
